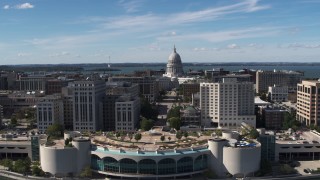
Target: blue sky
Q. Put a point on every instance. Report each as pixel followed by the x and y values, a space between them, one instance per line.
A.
pixel 89 31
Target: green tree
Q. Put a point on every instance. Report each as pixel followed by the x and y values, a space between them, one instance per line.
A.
pixel 7 163
pixel 179 135
pixel 186 134
pixel 130 136
pixel 175 122
pixel 218 132
pixel 37 171
pixel 253 134
pixel 55 130
pixel 137 137
pixel 169 138
pixel 86 172
pixel 14 121
pixel 146 124
pixel 22 166
pixel 118 134
pixel 263 96
pixel 147 110
pixel 162 138
pixel 174 112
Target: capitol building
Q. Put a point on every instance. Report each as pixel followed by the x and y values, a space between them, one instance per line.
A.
pixel 174 66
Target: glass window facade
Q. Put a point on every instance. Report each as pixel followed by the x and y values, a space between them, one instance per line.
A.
pixel 128 166
pixel 200 162
pixel 185 165
pixel 167 166
pixel 111 164
pixel 97 163
pixel 147 166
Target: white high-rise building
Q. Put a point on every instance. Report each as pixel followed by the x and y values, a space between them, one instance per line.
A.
pixel 86 98
pixel 49 111
pixel 227 103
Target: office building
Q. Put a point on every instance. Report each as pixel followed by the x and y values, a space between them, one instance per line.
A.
pixel 127 113
pixel 308 102
pixel 227 104
pixel 49 112
pixel 278 93
pixel 264 79
pixel 86 97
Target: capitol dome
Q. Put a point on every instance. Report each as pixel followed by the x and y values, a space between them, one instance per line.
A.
pixel 174 66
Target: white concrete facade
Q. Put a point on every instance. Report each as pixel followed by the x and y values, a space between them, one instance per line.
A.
pixel 127 113
pixel 227 104
pixel 49 111
pixel 278 93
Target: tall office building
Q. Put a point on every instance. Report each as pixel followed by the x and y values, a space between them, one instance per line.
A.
pixel 115 90
pixel 227 103
pixel 67 99
pixel 264 79
pixel 127 113
pixel 49 112
pixel 308 102
pixel 86 97
pixel 1 115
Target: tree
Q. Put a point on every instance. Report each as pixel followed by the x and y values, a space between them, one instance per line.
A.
pixel 37 171
pixel 86 172
pixel 174 112
pixel 169 138
pixel 218 132
pixel 130 136
pixel 137 137
pixel 175 122
pixel 55 130
pixel 179 135
pixel 263 96
pixel 147 110
pixel 146 124
pixel 118 134
pixel 253 134
pixel 162 138
pixel 7 163
pixel 14 121
pixel 186 134
pixel 22 166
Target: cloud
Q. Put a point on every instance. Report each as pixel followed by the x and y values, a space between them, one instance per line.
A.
pixel 227 35
pixel 24 6
pixel 153 21
pixel 131 6
pixel 6 7
pixel 63 53
pixel 306 46
pixel 24 54
pixel 233 46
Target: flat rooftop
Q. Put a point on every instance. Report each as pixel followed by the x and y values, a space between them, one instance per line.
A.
pixel 300 137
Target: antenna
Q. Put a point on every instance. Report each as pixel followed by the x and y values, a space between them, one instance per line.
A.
pixel 109 65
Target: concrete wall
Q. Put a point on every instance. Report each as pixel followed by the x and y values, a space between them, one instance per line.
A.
pixel 58 160
pixel 242 160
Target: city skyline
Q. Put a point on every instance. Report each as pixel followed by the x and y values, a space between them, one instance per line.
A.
pixel 52 32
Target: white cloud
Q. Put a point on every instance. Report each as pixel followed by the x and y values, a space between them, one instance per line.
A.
pixel 301 45
pixel 6 7
pixel 131 6
pixel 23 54
pixel 233 46
pixel 24 6
pixel 154 21
pixel 63 53
pixel 221 36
